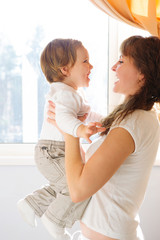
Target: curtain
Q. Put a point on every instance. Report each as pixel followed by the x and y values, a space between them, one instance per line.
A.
pixel 144 14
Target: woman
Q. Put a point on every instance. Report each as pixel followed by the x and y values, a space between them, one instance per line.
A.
pixel 119 163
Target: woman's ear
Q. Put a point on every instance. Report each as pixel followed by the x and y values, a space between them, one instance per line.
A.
pixel 65 71
pixel 141 80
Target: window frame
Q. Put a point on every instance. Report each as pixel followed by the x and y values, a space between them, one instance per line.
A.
pixel 22 154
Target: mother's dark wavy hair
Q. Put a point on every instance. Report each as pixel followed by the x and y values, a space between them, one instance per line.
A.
pixel 145 54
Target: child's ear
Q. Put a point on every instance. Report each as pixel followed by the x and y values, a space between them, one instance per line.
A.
pixel 65 70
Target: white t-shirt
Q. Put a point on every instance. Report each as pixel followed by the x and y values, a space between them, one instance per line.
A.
pixel 113 210
pixel 69 105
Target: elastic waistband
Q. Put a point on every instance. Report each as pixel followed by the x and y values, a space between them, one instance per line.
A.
pixel 51 143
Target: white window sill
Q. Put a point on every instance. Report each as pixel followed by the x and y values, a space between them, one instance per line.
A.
pixel 16 160
pixel 17 154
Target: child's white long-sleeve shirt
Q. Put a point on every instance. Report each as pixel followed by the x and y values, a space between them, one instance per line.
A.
pixel 69 105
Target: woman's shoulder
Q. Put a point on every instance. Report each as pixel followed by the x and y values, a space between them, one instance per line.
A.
pixel 144 119
pixel 151 114
pixel 139 118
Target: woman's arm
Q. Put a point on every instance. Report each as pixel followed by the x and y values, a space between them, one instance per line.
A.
pixel 86 179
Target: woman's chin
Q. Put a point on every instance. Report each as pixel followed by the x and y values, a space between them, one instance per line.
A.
pixel 115 90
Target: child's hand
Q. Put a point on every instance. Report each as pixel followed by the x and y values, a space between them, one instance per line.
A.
pixel 86 131
pixel 93 128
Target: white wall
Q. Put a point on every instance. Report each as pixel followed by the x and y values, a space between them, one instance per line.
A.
pixel 150 211
pixel 17 181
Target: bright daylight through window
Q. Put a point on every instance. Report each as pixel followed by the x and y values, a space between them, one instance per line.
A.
pixel 24 32
pixel 31 25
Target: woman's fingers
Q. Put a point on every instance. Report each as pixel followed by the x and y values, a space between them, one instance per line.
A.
pixel 51 106
pixel 51 114
pixel 51 103
pixel 52 121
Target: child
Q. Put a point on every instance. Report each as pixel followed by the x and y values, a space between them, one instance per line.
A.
pixel 65 64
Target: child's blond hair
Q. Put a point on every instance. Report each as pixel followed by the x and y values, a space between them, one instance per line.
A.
pixel 57 54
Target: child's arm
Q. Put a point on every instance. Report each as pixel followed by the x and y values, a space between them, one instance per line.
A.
pixel 67 106
pixel 83 131
pixel 94 117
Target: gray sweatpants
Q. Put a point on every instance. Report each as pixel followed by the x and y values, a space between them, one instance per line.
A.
pixel 53 199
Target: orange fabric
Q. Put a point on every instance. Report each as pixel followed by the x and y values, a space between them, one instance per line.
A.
pixel 144 14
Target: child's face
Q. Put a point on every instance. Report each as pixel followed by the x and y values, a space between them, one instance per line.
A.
pixel 79 73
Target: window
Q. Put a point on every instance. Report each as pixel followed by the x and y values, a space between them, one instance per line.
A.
pixel 23 36
pixel 34 24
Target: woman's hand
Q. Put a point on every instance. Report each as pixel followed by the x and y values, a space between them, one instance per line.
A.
pixel 51 115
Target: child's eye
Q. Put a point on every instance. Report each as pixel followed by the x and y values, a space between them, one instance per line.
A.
pixel 85 61
pixel 120 61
